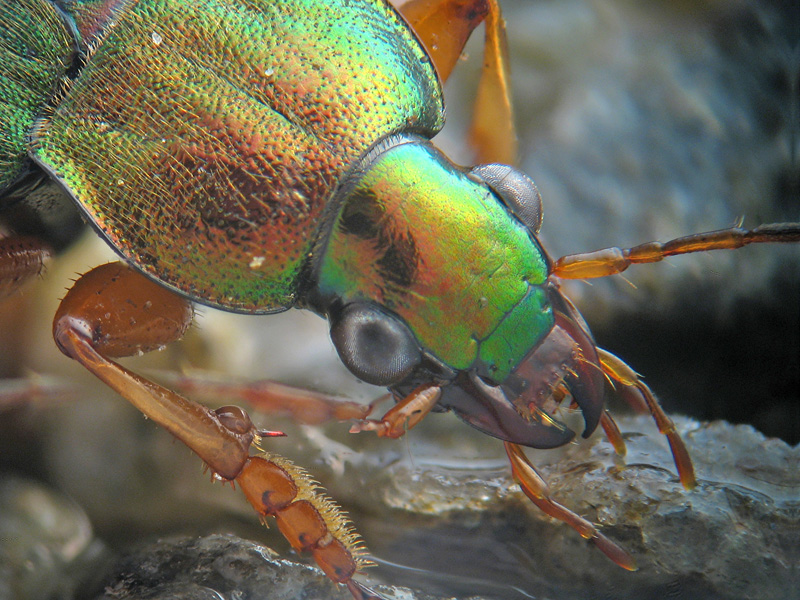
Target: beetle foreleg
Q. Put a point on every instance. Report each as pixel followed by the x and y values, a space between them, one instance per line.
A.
pixel 536 488
pixel 613 433
pixel 404 415
pixel 621 373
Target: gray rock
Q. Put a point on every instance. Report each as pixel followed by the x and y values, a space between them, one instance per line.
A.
pixel 211 568
pixel 454 515
pixel 440 512
pixel 47 548
pixel 224 567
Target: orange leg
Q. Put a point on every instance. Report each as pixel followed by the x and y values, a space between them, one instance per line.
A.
pixel 536 488
pixel 20 259
pixel 113 311
pixel 404 415
pixel 33 390
pixel 303 406
pixel 622 374
pixel 613 433
pixel 443 27
pixel 610 261
pixel 308 520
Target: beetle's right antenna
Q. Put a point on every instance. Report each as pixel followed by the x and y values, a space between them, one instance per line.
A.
pixel 610 261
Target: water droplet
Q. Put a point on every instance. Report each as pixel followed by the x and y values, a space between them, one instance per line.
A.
pixel 156 37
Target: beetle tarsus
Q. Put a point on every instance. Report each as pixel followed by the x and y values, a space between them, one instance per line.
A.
pixel 405 415
pixel 623 375
pixel 310 521
pixel 536 489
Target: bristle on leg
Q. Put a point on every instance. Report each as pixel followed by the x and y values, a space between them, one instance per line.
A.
pixel 309 520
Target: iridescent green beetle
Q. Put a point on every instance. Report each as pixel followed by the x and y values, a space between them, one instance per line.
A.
pixel 259 155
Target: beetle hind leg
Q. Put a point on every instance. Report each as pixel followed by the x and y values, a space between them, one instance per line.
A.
pixel 113 311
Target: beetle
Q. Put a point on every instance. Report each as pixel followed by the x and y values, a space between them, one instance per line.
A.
pixel 313 185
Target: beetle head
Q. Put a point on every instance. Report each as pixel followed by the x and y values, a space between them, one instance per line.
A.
pixel 432 274
pixel 562 368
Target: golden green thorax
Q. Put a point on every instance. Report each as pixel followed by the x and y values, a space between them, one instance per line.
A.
pixel 435 246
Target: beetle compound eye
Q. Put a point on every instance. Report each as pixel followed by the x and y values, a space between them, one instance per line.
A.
pixel 377 347
pixel 516 190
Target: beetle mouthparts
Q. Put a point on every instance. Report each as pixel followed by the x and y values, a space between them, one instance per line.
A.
pixel 563 365
pixel 520 410
pixel 488 409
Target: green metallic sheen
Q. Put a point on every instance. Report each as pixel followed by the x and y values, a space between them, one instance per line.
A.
pixel 204 138
pixel 424 239
pixel 35 51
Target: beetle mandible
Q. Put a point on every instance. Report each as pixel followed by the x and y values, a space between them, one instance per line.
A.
pixel 274 155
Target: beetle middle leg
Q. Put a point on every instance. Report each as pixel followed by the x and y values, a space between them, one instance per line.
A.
pixel 113 311
pixel 302 405
pixel 443 27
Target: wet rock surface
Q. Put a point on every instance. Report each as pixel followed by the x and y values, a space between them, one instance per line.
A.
pixel 439 510
pixel 442 516
pixel 731 537
pixel 213 567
